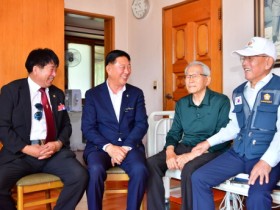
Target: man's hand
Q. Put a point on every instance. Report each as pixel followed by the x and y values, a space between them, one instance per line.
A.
pixel 43 151
pixel 116 153
pixel 171 158
pixel 201 148
pixel 262 170
pixel 49 149
pixel 185 158
pixel 32 150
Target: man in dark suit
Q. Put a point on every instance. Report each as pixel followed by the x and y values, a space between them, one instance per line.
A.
pixel 29 145
pixel 114 122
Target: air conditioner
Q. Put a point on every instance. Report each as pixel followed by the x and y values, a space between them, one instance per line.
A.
pixel 73 100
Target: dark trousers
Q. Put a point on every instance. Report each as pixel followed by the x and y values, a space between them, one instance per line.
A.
pixel 157 168
pixel 222 168
pixel 63 164
pixel 134 165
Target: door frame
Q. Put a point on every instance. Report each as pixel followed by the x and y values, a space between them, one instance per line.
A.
pixel 109 27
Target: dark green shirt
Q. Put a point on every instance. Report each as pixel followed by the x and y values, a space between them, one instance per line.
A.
pixel 193 124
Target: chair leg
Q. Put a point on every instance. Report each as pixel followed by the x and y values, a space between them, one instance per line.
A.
pixel 20 198
pixel 166 183
pixel 47 196
pixel 142 205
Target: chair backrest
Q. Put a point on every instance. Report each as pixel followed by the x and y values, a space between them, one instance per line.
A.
pixel 159 124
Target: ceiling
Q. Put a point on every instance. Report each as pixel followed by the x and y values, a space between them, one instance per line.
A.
pixel 84 26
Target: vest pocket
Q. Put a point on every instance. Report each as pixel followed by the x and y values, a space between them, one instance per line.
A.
pixel 266 117
pixel 237 144
pixel 238 110
pixel 259 144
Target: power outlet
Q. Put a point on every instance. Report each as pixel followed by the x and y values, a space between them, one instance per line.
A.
pixel 155 85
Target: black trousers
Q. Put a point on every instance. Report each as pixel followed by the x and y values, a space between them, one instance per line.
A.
pixel 63 164
pixel 157 167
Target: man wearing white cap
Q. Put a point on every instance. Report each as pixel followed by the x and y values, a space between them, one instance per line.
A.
pixel 255 127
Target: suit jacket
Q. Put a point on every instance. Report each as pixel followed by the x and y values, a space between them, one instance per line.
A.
pixel 15 118
pixel 99 122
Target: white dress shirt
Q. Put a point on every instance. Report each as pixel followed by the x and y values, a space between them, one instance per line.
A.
pixel 38 127
pixel 272 154
pixel 116 101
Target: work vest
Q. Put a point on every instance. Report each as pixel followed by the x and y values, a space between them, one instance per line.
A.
pixel 257 126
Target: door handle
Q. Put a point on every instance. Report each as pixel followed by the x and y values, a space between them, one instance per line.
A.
pixel 168 96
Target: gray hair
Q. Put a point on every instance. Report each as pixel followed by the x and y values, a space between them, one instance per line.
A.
pixel 205 68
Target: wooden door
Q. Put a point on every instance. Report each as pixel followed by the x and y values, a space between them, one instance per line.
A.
pixel 26 25
pixel 191 31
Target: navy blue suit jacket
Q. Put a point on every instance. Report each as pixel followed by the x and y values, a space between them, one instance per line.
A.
pixel 99 122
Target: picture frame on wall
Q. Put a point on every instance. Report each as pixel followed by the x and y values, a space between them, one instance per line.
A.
pixel 267 22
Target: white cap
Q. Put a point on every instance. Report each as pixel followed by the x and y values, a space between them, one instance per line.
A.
pixel 258 46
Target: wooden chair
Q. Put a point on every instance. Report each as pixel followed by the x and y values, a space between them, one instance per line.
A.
pixel 35 183
pixel 116 174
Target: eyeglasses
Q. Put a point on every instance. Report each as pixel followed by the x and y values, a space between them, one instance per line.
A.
pixel 194 76
pixel 39 114
pixel 251 59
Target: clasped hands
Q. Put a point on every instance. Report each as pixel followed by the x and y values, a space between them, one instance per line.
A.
pixel 42 151
pixel 174 161
pixel 117 153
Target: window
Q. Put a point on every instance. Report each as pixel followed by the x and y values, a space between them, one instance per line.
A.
pixel 84 63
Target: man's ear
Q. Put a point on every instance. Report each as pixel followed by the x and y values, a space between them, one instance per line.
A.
pixel 208 80
pixel 107 68
pixel 35 69
pixel 269 63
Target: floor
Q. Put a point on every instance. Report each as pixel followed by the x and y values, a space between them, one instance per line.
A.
pixel 118 201
pixel 114 201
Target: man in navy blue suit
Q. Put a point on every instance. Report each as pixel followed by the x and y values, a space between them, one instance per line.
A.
pixel 114 123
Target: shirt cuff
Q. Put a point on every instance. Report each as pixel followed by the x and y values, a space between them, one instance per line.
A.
pixel 270 159
pixel 127 148
pixel 104 147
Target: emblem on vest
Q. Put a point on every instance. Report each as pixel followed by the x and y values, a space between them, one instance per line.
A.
pixel 238 100
pixel 267 98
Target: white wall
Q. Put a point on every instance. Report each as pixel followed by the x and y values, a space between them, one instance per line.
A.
pixel 145 47
pixel 238 28
pixel 142 39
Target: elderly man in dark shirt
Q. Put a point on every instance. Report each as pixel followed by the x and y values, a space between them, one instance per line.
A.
pixel 198 115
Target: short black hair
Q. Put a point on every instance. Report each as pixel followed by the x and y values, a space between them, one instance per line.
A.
pixel 113 55
pixel 40 57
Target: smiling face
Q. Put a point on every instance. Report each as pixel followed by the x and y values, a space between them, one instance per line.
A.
pixel 44 76
pixel 196 81
pixel 256 67
pixel 118 72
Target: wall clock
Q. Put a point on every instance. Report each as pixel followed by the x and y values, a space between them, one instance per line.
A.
pixel 140 8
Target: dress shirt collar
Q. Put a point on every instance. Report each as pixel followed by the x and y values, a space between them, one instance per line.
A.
pixel 111 92
pixel 260 84
pixel 34 87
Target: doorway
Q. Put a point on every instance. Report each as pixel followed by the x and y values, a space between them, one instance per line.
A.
pixel 189 36
pixel 88 38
